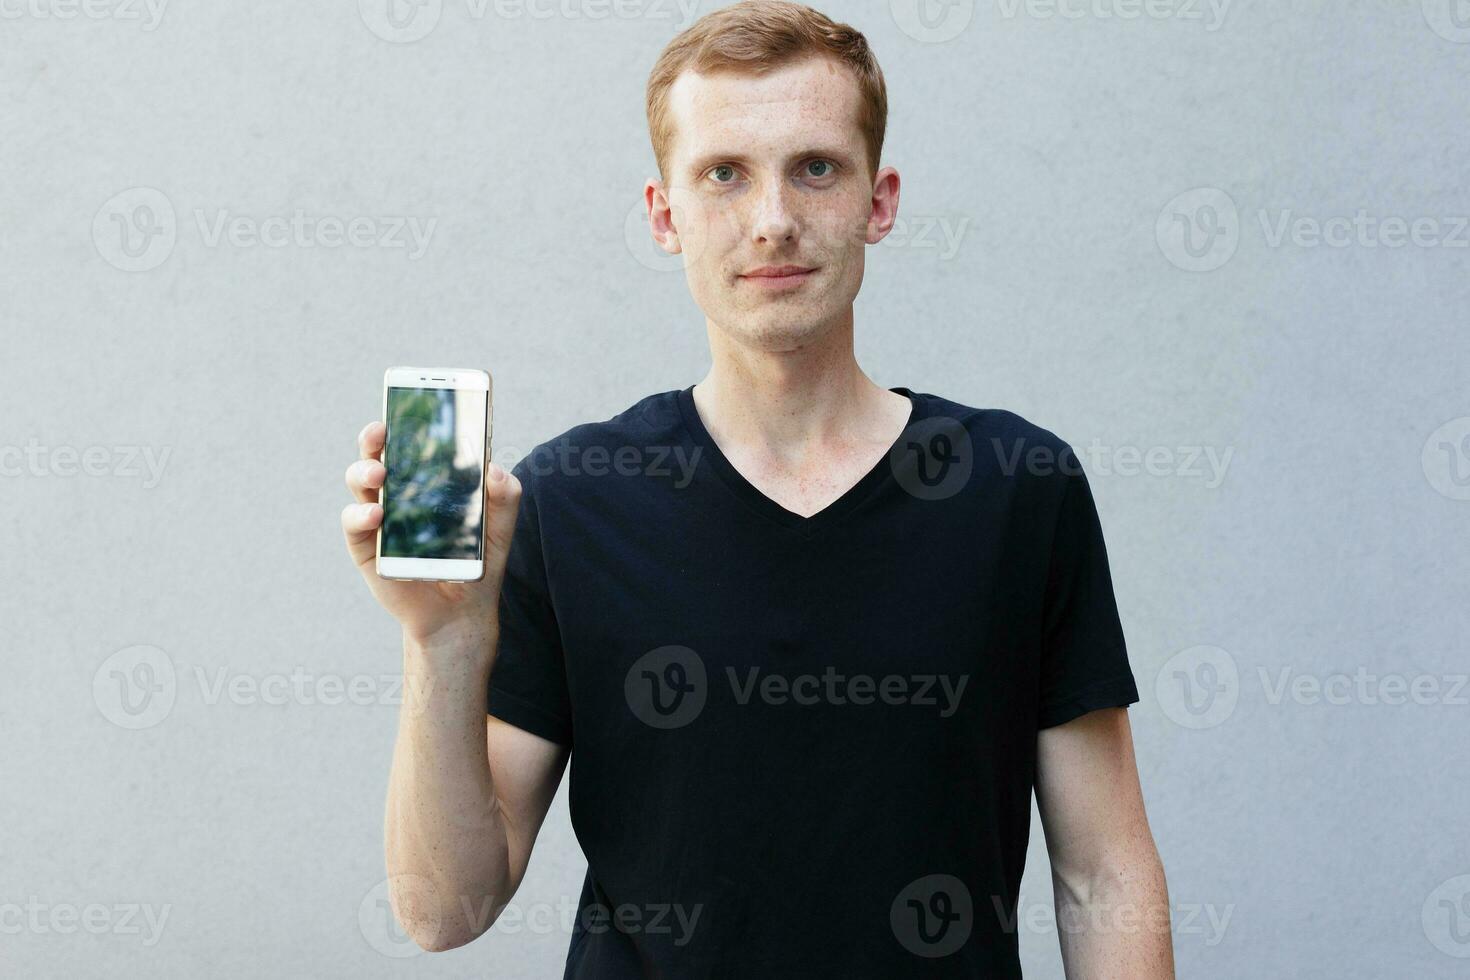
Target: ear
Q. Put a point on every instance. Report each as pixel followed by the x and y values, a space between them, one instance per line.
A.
pixel 885 205
pixel 661 217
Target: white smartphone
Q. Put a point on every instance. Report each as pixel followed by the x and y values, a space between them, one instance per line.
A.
pixel 433 498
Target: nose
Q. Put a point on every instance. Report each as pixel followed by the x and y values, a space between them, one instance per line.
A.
pixel 774 222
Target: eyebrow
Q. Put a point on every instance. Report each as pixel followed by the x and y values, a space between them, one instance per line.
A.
pixel 704 161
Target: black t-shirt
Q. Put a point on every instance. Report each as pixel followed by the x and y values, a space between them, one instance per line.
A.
pixel 803 747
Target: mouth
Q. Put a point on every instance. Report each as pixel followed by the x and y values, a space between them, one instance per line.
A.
pixel 778 276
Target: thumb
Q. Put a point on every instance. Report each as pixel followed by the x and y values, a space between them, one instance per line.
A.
pixel 502 503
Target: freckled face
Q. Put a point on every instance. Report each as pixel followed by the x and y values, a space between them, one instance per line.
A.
pixel 768 175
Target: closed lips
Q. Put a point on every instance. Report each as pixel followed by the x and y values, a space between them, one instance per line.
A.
pixel 775 271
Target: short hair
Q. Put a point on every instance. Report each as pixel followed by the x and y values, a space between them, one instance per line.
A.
pixel 756 36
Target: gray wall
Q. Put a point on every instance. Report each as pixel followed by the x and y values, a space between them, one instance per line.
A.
pixel 1295 610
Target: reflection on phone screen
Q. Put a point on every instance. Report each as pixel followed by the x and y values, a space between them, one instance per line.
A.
pixel 435 456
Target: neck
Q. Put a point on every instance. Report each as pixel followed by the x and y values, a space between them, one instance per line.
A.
pixel 789 401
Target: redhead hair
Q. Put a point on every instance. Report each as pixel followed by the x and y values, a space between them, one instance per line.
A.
pixel 756 36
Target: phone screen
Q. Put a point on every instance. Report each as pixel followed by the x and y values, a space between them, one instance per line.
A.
pixel 433 503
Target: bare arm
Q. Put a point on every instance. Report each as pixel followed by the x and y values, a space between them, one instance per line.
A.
pixel 466 797
pixel 467 792
pixel 1112 902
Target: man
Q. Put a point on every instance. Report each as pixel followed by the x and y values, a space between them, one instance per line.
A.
pixel 808 642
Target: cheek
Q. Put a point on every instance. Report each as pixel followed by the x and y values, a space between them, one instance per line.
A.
pixel 704 228
pixel 709 285
pixel 838 231
pixel 694 244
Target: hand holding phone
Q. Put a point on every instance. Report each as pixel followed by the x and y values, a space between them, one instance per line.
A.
pixel 433 522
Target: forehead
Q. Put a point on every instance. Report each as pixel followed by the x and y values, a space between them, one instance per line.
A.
pixel 814 99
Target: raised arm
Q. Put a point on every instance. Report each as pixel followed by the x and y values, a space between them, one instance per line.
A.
pixel 467 793
pixel 466 797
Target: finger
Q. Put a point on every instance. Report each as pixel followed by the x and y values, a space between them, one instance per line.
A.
pixel 360 527
pixel 370 440
pixel 364 478
pixel 502 502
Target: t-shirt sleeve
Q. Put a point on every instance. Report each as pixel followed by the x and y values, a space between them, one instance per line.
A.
pixel 1084 661
pixel 528 683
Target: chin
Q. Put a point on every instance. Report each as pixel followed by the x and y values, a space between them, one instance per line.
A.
pixel 790 331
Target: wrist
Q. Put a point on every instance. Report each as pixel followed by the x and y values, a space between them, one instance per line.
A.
pixel 455 646
pixel 446 674
pixel 460 634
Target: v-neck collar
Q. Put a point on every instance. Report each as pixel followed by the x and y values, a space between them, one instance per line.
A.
pixel 880 473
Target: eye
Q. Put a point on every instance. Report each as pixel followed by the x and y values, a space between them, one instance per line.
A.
pixel 722 169
pixel 824 168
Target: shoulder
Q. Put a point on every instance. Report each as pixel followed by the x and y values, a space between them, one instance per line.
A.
pixel 645 432
pixel 1000 441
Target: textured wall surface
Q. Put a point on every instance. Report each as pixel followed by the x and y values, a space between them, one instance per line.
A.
pixel 1220 248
